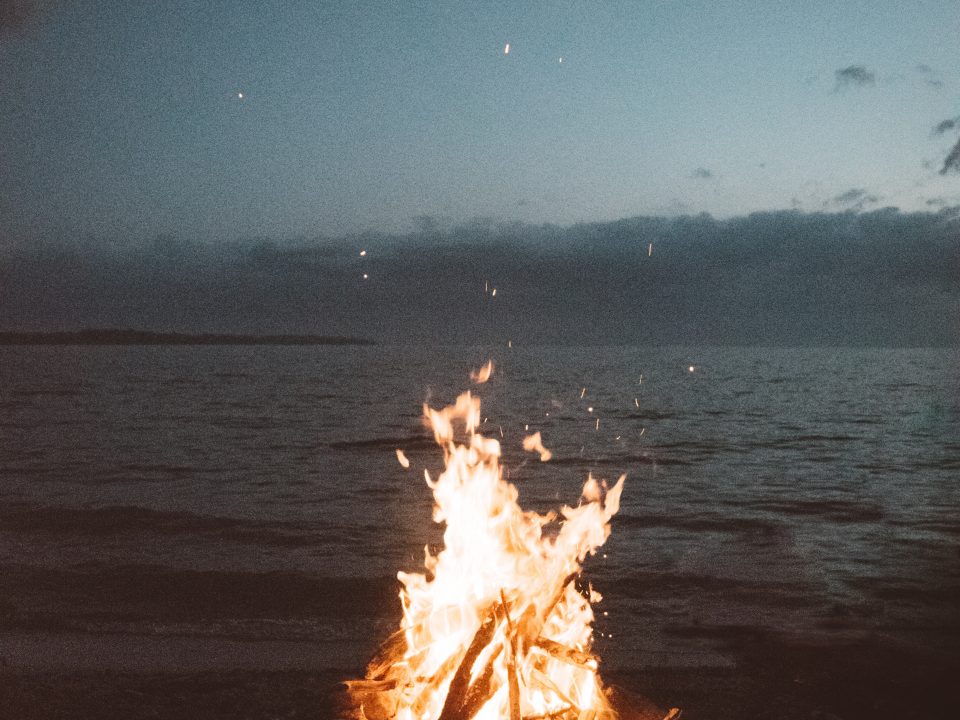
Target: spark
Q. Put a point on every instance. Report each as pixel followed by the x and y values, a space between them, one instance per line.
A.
pixel 582 393
pixel 509 343
pixel 636 402
pixel 641 379
pixel 363 253
pixel 649 249
pixel 239 96
pixel 402 459
pixel 642 431
pixel 560 61
pixel 691 368
pixel 365 276
pixel 590 409
pixel 506 49
pixel 493 293
pixel 598 423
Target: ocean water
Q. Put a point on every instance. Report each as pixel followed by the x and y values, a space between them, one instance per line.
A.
pixel 209 507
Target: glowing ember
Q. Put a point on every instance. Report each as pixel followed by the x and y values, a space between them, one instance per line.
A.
pixel 496 627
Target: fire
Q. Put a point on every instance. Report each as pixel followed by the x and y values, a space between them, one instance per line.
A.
pixel 495 627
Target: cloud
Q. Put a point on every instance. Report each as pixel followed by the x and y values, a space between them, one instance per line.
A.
pixel 948 124
pixel 787 277
pixel 854 76
pixel 929 79
pixel 854 199
pixel 952 162
pixel 702 174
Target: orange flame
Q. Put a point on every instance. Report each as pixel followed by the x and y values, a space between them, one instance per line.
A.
pixel 495 628
pixel 533 443
pixel 483 374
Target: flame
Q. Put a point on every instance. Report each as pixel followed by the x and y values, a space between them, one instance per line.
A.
pixel 533 443
pixel 495 627
pixel 483 374
pixel 402 459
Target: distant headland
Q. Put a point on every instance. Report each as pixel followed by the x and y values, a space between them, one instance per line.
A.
pixel 145 337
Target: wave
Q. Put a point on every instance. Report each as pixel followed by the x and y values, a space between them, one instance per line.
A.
pixel 113 520
pixel 840 511
pixel 414 442
pixel 732 525
pixel 135 593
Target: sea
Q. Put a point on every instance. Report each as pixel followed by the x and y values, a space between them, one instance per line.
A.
pixel 201 509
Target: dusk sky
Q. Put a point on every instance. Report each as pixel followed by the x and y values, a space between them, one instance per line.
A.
pixel 241 122
pixel 123 118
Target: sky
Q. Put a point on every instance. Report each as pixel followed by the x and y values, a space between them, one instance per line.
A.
pixel 126 118
pixel 313 127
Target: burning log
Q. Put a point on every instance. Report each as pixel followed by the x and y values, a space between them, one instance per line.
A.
pixel 575 657
pixel 496 628
pixel 455 705
pixel 513 685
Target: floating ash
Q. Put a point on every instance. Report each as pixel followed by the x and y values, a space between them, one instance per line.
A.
pixel 496 627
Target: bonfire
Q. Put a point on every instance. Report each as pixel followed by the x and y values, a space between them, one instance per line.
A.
pixel 498 626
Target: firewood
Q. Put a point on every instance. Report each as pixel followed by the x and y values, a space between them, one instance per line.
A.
pixel 566 654
pixel 481 690
pixel 370 685
pixel 550 715
pixel 386 655
pixel 456 694
pixel 513 686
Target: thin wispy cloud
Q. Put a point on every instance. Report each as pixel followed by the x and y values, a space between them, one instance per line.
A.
pixel 951 163
pixel 853 199
pixel 854 76
pixel 946 125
